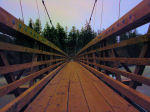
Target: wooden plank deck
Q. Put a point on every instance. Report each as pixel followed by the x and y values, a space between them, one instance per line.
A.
pixel 75 89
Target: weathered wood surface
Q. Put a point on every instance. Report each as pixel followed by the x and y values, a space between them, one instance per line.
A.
pixel 133 76
pixel 8 88
pixel 17 67
pixel 18 48
pixel 75 89
pixel 17 104
pixel 130 93
pixel 131 41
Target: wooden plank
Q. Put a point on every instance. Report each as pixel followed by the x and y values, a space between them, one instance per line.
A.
pixel 135 61
pixel 59 102
pixel 123 64
pixel 135 77
pixel 134 18
pixel 41 102
pixel 117 103
pixel 133 95
pixel 94 59
pixel 9 77
pixel 8 88
pixel 131 41
pixel 17 67
pixel 13 23
pixel 17 104
pixel 18 48
pixel 95 101
pixel 34 59
pixel 77 100
pixel 140 68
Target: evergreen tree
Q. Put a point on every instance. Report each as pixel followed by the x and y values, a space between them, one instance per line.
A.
pixel 30 24
pixel 51 34
pixel 37 26
pixel 62 36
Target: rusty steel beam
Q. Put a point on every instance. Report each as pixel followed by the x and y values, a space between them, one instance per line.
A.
pixel 7 21
pixel 17 67
pixel 138 16
pixel 133 95
pixel 135 77
pixel 17 104
pixel 18 48
pixel 12 86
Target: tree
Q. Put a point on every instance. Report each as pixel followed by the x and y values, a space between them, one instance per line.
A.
pixel 62 36
pixel 51 34
pixel 86 35
pixel 73 40
pixel 37 26
pixel 30 24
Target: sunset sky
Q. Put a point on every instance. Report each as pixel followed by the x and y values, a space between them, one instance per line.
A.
pixel 72 12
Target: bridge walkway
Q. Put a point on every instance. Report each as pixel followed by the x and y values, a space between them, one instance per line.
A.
pixel 75 89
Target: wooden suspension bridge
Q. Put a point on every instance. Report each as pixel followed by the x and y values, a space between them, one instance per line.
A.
pixel 83 83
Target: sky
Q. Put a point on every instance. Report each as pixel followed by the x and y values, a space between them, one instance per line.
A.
pixel 72 12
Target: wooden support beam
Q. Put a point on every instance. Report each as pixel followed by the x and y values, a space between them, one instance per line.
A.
pixel 123 64
pixel 131 61
pixel 115 65
pixel 10 77
pixel 17 67
pixel 17 26
pixel 34 59
pixel 18 48
pixel 131 41
pixel 135 77
pixel 140 68
pixel 17 104
pixel 10 87
pixel 133 19
pixel 133 95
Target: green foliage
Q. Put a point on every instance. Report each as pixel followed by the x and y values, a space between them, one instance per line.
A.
pixel 37 26
pixel 30 24
pixel 75 39
pixel 61 35
pixel 70 42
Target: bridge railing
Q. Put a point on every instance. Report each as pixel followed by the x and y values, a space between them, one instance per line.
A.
pixel 121 64
pixel 28 61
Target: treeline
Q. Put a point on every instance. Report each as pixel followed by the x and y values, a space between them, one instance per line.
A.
pixel 69 41
pixel 73 40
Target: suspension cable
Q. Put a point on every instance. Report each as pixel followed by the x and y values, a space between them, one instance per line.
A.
pixel 94 16
pixel 92 12
pixel 47 13
pixel 102 15
pixel 38 9
pixel 21 10
pixel 119 9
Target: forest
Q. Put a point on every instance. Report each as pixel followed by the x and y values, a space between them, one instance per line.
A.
pixel 72 41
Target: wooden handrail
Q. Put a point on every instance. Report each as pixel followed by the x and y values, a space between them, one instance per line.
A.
pixel 130 93
pixel 135 77
pixel 133 61
pixel 24 98
pixel 17 67
pixel 18 48
pixel 18 26
pixel 10 87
